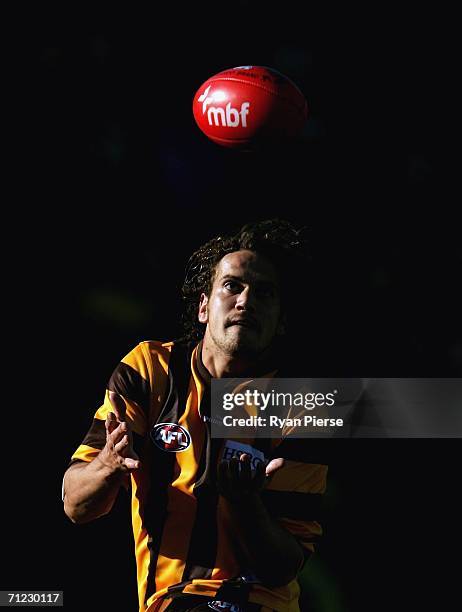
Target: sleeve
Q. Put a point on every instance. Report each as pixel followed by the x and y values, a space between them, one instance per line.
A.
pixel 130 380
pixel 294 494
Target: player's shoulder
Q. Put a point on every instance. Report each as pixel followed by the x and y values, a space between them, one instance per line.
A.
pixel 149 357
pixel 156 345
pixel 162 348
pixel 153 349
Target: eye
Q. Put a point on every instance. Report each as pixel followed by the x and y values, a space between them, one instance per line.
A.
pixel 231 286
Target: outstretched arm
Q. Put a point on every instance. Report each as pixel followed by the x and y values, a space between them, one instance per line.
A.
pixel 90 489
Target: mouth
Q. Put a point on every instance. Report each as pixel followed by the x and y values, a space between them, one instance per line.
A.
pixel 247 323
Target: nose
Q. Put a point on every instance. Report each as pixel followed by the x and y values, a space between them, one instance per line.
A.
pixel 246 300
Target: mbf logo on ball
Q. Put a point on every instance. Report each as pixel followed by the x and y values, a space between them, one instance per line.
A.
pixel 216 115
pixel 171 437
pixel 249 107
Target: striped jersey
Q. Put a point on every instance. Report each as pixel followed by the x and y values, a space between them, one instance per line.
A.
pixel 184 539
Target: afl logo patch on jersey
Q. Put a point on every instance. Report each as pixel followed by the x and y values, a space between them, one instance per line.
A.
pixel 170 437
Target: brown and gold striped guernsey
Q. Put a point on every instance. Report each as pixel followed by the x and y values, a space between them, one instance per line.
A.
pixel 184 542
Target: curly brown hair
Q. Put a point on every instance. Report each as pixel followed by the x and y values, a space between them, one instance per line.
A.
pixel 276 239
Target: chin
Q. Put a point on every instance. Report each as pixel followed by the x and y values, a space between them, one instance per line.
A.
pixel 242 342
pixel 243 348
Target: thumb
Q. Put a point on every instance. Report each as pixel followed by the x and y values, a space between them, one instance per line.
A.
pixel 132 464
pixel 274 465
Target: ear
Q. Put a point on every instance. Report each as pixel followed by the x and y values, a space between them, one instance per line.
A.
pixel 203 314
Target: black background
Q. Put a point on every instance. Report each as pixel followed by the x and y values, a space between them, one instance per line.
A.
pixel 117 186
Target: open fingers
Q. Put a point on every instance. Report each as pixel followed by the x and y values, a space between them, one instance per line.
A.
pixel 233 472
pixel 238 477
pixel 118 404
pixel 246 471
pixel 259 476
pixel 110 423
pixel 116 435
pixel 120 446
pixel 131 464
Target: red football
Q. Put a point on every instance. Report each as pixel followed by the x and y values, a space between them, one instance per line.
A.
pixel 248 106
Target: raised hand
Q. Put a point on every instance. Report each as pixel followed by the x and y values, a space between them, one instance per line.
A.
pixel 118 453
pixel 235 478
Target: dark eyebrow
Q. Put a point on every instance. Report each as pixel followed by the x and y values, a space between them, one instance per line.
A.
pixel 239 279
pixel 231 277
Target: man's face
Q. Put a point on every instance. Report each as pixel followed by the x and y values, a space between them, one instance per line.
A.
pixel 243 311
